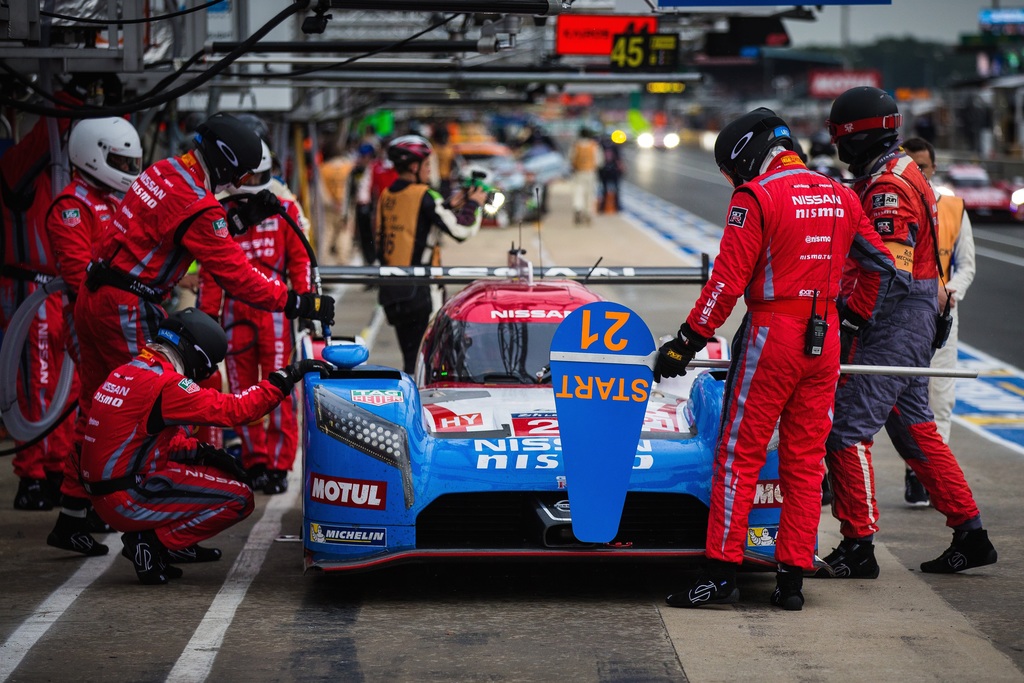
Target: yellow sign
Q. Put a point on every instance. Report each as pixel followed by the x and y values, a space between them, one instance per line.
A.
pixel 665 88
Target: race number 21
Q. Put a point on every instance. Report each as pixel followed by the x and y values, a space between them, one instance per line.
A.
pixel 618 320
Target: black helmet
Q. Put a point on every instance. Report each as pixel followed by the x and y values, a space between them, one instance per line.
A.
pixel 742 145
pixel 821 144
pixel 198 338
pixel 408 149
pixel 863 123
pixel 255 124
pixel 229 148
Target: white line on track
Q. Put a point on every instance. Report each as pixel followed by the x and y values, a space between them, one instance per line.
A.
pixel 50 610
pixel 196 662
pixel 999 256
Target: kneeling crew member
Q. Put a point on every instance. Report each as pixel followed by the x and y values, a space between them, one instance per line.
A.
pixel 144 473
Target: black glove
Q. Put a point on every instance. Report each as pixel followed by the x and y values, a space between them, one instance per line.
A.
pixel 220 459
pixel 310 306
pixel 849 329
pixel 285 378
pixel 676 354
pixel 247 211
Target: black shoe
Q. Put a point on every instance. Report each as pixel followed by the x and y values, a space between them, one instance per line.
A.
pixel 277 482
pixel 788 591
pixel 95 523
pixel 72 533
pixel 826 491
pixel 53 484
pixel 257 476
pixel 193 554
pixel 716 585
pixel 851 560
pixel 33 494
pixel 969 549
pixel 914 492
pixel 145 552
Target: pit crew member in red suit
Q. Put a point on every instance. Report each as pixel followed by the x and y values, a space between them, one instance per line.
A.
pixel 260 341
pixel 169 218
pixel 411 218
pixel 787 235
pixel 143 471
pixel 899 202
pixel 26 263
pixel 105 156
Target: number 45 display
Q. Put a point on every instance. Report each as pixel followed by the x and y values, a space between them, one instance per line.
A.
pixel 645 51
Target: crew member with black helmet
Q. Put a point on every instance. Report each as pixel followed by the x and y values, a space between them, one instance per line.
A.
pixel 259 341
pixel 106 157
pixel 787 236
pixel 864 123
pixel 144 472
pixel 169 218
pixel 411 218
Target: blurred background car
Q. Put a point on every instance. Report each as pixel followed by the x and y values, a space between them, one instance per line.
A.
pixel 983 197
pixel 658 139
pixel 504 172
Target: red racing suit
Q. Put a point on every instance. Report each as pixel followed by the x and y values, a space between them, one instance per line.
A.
pixel 901 206
pixel 168 218
pixel 79 215
pixel 787 235
pixel 138 460
pixel 259 342
pixel 26 262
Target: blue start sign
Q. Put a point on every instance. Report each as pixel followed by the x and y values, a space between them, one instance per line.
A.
pixel 600 373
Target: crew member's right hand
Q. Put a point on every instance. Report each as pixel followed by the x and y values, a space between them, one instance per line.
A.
pixel 477 194
pixel 286 377
pixel 675 354
pixel 220 459
pixel 310 306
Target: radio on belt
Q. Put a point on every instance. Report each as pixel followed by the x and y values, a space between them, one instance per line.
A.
pixel 817 328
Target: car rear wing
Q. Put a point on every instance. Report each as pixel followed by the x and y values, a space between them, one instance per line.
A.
pixel 462 275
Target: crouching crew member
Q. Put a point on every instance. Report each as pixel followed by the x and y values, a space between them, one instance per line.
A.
pixel 144 473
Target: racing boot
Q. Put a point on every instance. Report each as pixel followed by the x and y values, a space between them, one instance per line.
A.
pixel 33 494
pixel 145 552
pixel 716 585
pixel 277 482
pixel 257 476
pixel 72 533
pixel 95 523
pixel 969 549
pixel 853 559
pixel 193 554
pixel 788 595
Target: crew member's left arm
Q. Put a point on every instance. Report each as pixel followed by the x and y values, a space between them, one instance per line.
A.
pixel 186 403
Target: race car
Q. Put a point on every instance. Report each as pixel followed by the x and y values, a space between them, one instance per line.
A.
pixel 983 198
pixel 465 460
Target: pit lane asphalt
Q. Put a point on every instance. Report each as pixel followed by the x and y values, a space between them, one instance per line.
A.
pixel 255 617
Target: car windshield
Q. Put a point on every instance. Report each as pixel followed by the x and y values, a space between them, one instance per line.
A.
pixel 504 352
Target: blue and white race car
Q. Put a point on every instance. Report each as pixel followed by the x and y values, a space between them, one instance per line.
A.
pixel 466 461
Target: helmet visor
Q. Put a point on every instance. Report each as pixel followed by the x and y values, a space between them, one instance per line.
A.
pixel 130 165
pixel 257 178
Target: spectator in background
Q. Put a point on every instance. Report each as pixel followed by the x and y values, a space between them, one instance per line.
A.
pixel 361 201
pixel 584 159
pixel 611 172
pixel 957 267
pixel 334 175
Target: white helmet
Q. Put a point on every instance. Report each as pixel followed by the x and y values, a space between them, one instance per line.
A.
pixel 260 177
pixel 108 150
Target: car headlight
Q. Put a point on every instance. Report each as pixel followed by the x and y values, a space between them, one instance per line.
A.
pixel 671 141
pixel 645 140
pixel 365 432
pixel 1018 197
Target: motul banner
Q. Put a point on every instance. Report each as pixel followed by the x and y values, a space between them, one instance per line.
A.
pixel 828 84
